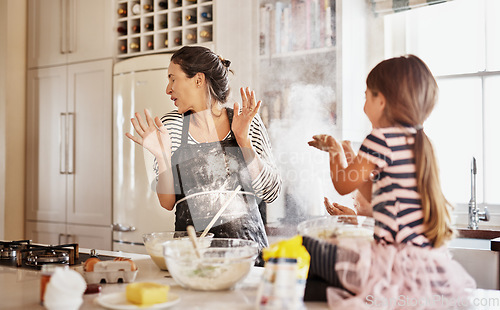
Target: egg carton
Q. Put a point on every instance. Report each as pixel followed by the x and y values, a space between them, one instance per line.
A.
pixel 110 272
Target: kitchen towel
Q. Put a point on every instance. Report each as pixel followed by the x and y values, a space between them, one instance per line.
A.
pixel 64 290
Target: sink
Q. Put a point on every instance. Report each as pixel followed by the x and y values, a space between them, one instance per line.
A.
pixel 470 243
pixel 476 256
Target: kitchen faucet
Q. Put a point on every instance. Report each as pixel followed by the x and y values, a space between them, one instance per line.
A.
pixel 474 214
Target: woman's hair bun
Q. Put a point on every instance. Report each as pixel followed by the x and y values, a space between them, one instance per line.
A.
pixel 226 63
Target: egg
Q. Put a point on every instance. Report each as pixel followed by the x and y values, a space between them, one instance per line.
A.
pixel 133 266
pixel 89 264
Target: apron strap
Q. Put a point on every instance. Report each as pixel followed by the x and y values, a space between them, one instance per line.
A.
pixel 185 128
pixel 230 114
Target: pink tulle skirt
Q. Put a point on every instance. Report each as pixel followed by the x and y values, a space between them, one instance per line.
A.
pixel 398 277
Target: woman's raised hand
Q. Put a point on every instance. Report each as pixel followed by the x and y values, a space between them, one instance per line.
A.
pixel 242 121
pixel 151 134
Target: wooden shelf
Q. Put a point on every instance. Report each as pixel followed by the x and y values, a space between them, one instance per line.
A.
pixel 313 51
pixel 170 29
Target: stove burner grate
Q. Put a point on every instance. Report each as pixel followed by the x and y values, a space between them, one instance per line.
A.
pixel 49 257
pixel 10 249
pixel 37 255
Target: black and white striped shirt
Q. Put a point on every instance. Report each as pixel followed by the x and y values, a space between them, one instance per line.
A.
pixel 267 185
pixel 396 203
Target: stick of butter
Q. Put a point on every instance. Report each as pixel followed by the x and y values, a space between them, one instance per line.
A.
pixel 147 293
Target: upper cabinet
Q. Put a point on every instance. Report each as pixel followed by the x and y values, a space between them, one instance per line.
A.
pixel 68 31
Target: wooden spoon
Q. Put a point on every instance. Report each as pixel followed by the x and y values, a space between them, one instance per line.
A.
pixel 216 217
pixel 194 241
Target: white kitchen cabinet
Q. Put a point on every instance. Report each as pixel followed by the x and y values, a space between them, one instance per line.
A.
pixel 68 31
pixel 45 233
pixel 56 233
pixel 69 145
pixel 46 186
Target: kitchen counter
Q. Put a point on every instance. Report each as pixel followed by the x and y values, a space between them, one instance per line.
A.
pixel 481 233
pixel 20 289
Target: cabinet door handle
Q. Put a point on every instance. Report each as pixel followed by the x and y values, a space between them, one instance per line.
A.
pixel 72 25
pixel 63 26
pixel 62 143
pixel 70 151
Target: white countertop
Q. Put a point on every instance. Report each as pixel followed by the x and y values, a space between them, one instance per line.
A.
pixel 20 289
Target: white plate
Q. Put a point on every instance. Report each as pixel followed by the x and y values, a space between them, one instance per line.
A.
pixel 119 301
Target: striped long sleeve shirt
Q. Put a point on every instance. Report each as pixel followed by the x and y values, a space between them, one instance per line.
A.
pixel 395 202
pixel 267 185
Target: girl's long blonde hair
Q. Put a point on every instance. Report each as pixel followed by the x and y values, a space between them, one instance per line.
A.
pixel 411 93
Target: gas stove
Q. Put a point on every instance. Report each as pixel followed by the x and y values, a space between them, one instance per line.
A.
pixel 25 254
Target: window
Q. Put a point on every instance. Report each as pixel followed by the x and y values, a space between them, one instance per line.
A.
pixel 460 42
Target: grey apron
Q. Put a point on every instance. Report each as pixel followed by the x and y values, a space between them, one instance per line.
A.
pixel 205 175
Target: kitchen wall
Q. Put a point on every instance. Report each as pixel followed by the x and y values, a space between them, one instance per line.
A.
pixel 13 17
pixel 3 47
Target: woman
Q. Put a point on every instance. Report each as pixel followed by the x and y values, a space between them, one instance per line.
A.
pixel 205 150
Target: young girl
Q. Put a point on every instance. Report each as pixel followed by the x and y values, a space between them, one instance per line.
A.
pixel 407 265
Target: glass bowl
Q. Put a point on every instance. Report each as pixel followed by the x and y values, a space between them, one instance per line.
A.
pixel 223 263
pixel 330 228
pixel 154 244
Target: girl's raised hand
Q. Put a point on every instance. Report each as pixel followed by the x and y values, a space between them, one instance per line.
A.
pixel 326 143
pixel 151 134
pixel 337 209
pixel 242 120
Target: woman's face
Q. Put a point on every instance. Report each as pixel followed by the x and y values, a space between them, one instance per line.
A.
pixel 185 92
